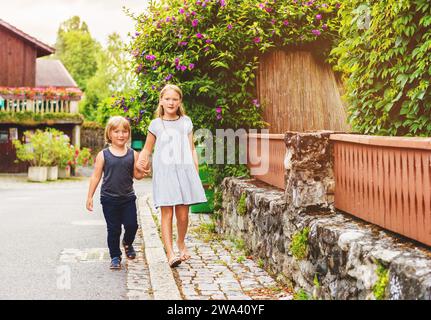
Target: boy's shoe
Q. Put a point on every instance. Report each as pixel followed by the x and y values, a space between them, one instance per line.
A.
pixel 115 263
pixel 130 251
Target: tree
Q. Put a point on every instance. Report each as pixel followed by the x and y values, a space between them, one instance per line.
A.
pixel 77 50
pixel 113 75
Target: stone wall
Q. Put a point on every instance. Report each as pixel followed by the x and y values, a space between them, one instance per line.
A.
pixel 92 137
pixel 338 256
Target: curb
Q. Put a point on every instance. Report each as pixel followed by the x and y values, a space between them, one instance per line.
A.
pixel 161 277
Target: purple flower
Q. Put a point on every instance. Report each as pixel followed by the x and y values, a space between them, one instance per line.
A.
pixel 191 66
pixel 177 61
pixel 137 33
pixel 273 21
pixel 268 9
pixel 199 35
pixel 154 68
pixel 195 22
pixel 193 13
pixel 218 109
pixel 256 39
pixel 222 3
pixel 319 16
pixel 256 103
pixel 181 11
pixel 168 19
pixel 169 77
pixel 324 26
pixel 139 68
pixel 261 5
pixel 206 49
pixel 183 68
pixel 316 32
pixel 182 43
pixel 229 26
pixel 208 41
pixel 219 116
pixel 285 22
pixel 150 57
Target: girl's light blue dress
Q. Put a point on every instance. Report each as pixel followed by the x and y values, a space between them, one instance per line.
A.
pixel 175 179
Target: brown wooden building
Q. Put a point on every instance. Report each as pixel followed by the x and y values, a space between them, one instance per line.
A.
pixel 22 69
pixel 18 54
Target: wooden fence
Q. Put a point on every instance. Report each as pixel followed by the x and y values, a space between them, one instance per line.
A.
pixel 299 93
pixel 385 181
pixel 272 162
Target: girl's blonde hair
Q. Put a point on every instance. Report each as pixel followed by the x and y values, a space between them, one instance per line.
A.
pixel 181 111
pixel 114 123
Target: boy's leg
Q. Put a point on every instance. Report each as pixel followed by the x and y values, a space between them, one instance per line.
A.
pixel 113 223
pixel 182 215
pixel 130 222
pixel 166 228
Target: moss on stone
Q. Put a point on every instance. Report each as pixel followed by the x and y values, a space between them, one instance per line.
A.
pixel 379 288
pixel 299 244
pixel 241 207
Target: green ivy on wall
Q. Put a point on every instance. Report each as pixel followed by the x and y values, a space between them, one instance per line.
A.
pixel 385 53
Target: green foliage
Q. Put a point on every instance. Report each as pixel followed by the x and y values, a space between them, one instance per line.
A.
pixel 211 51
pixel 84 157
pixel 50 148
pixel 260 263
pixel 386 65
pixel 77 50
pixel 238 243
pixel 240 259
pixel 33 118
pixel 379 288
pixel 241 207
pixel 301 295
pixel 36 151
pixel 299 244
pixel 113 75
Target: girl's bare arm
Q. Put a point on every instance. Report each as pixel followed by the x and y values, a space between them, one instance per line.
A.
pixel 139 174
pixel 95 179
pixel 194 152
pixel 143 162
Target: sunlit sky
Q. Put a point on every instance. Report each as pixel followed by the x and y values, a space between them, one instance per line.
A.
pixel 41 18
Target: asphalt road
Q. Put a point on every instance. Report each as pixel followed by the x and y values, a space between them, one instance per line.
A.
pixel 51 247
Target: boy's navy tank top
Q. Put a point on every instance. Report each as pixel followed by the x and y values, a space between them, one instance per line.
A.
pixel 118 175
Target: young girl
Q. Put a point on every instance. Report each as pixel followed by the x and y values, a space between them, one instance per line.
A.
pixel 176 182
pixel 117 163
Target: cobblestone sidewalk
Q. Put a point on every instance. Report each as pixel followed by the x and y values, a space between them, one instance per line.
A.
pixel 219 268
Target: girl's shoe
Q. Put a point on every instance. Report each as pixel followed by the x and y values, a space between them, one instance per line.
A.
pixel 115 263
pixel 175 262
pixel 130 251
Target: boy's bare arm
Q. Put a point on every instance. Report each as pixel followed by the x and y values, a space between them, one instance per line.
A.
pixel 95 179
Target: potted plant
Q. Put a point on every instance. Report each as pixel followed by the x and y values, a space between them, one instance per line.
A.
pixel 59 150
pixel 34 152
pixel 65 161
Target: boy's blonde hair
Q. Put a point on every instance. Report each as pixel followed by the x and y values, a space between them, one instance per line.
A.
pixel 114 123
pixel 181 111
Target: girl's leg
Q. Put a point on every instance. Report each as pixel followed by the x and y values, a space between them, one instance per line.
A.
pixel 166 228
pixel 182 215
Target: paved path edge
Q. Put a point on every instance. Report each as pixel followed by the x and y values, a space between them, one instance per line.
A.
pixel 161 276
